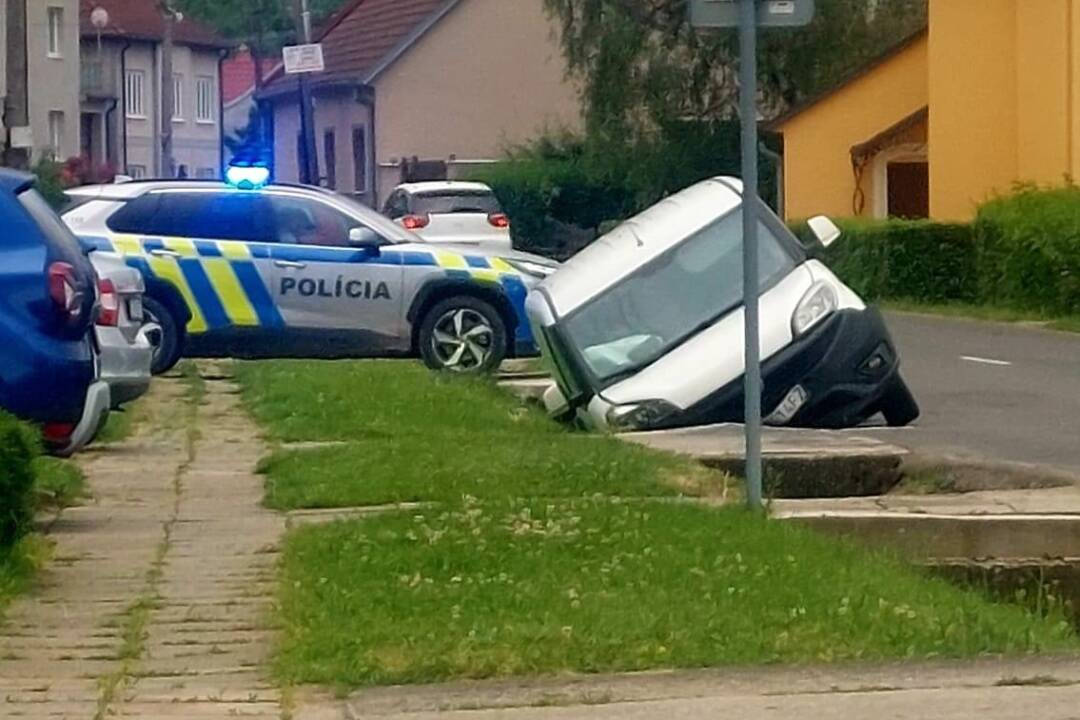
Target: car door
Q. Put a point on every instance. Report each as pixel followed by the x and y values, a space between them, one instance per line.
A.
pixel 211 246
pixel 336 297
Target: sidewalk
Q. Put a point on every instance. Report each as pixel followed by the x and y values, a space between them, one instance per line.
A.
pixel 155 602
pixel 987 689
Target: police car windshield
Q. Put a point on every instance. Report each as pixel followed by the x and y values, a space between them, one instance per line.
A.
pixel 380 224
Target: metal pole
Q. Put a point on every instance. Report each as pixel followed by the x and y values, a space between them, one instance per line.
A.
pixel 748 111
pixel 309 171
pixel 168 98
pixel 16 110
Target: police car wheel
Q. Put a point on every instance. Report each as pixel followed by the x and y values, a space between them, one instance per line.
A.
pixel 463 334
pixel 170 347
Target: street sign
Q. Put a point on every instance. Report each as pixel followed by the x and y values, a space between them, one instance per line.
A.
pixel 770 13
pixel 303 59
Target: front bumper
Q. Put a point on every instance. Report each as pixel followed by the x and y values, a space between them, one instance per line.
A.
pixel 95 413
pixel 125 364
pixel 846 365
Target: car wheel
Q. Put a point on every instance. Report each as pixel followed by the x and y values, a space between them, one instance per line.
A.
pixel 899 406
pixel 463 334
pixel 170 347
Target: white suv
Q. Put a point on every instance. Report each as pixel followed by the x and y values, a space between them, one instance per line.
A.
pixel 461 213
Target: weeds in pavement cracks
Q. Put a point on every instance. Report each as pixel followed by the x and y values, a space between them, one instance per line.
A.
pixel 137 615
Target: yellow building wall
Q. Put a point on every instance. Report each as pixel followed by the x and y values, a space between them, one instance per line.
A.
pixel 973 110
pixel 818 177
pixel 1043 93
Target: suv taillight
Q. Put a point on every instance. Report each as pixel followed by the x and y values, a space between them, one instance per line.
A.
pixel 499 220
pixel 64 291
pixel 415 222
pixel 109 304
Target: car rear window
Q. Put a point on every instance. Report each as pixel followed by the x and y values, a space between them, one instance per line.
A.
pixel 201 215
pixel 462 201
pixel 56 233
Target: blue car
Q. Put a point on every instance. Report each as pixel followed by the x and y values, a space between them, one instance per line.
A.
pixel 48 303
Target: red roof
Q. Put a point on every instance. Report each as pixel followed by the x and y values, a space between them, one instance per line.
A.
pixel 141 20
pixel 365 34
pixel 238 75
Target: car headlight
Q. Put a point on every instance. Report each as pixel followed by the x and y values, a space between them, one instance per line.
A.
pixel 640 416
pixel 529 267
pixel 818 303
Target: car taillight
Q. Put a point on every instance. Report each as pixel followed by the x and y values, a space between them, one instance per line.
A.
pixel 57 433
pixel 109 304
pixel 415 222
pixel 63 290
pixel 499 220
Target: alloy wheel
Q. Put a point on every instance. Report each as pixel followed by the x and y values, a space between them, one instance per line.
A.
pixel 462 340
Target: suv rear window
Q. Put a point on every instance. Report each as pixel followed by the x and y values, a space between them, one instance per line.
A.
pixel 56 233
pixel 461 201
pixel 200 215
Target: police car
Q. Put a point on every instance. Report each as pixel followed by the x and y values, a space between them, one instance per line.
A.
pixel 247 269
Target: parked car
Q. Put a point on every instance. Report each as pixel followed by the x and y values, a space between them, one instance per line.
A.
pixel 126 343
pixel 644 328
pixel 252 270
pixel 49 367
pixel 462 213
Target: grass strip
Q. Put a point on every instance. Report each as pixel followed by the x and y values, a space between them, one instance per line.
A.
pixel 519 587
pixel 988 313
pixel 319 401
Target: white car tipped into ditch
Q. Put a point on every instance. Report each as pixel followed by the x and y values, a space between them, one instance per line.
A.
pixel 644 328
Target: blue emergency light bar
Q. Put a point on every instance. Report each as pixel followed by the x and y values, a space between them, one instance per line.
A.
pixel 247 177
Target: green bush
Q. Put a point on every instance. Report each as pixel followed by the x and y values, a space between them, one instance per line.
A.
pixel 561 191
pixel 905 260
pixel 18 449
pixel 1029 250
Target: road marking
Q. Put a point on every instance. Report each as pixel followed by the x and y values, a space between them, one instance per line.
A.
pixel 985 361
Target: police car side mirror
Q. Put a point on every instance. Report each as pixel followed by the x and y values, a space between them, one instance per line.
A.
pixel 365 238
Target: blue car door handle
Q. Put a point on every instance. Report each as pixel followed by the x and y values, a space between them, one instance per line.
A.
pixel 289 264
pixel 165 253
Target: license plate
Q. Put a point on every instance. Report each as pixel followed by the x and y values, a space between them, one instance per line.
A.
pixel 135 309
pixel 790 405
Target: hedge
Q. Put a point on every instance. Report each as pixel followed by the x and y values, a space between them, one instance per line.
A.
pixel 904 260
pixel 18 449
pixel 1028 250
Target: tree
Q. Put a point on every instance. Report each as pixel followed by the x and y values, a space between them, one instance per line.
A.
pixel 642 66
pixel 264 26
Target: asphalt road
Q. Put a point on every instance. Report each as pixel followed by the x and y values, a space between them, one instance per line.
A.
pixel 991 391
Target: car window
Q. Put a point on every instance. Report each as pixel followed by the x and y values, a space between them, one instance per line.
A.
pixel 300 221
pixel 398 206
pixel 52 227
pixel 227 215
pixel 456 201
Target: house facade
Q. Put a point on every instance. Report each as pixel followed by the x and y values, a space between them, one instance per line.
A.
pixel 986 97
pixel 52 56
pixel 122 82
pixel 451 82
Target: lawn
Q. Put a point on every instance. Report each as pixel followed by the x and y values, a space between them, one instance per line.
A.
pixel 414 436
pixel 544 551
pixel 58 483
pixel 318 401
pixel 519 587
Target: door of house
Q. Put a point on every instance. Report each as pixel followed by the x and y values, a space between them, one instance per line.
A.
pixel 909 189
